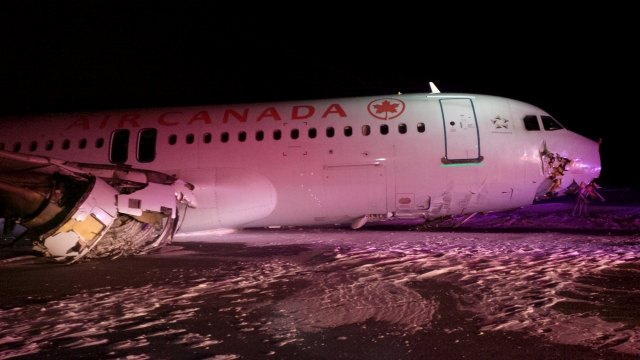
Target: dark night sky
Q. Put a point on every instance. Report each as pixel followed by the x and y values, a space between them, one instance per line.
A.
pixel 83 55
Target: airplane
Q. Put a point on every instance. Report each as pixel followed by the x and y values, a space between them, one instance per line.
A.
pixel 105 184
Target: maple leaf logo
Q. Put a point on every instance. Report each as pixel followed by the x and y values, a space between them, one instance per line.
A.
pixel 386 109
pixel 386 106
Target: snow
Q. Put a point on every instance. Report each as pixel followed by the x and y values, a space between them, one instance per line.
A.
pixel 552 283
pixel 513 279
pixel 619 214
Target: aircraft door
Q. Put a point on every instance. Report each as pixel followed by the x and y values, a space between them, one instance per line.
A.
pixel 462 137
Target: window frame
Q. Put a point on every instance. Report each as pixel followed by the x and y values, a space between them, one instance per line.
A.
pixel 526 121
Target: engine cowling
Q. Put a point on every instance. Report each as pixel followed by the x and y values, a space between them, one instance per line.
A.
pixel 235 197
pixel 82 210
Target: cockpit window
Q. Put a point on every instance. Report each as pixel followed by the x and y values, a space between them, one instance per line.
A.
pixel 550 123
pixel 531 123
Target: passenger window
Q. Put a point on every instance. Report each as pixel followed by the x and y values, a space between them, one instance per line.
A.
pixel 82 143
pixel 531 123
pixel 384 129
pixel 295 133
pixel 366 130
pixel 260 135
pixel 206 138
pixel 49 145
pixel 190 138
pixel 330 132
pixel 549 123
pixel 173 139
pixel 402 128
pixel 313 133
pixel 99 143
pixel 147 145
pixel 119 146
pixel 16 147
pixel 277 134
pixel 348 131
pixel 242 136
pixel 66 144
pixel 33 146
pixel 224 137
pixel 421 127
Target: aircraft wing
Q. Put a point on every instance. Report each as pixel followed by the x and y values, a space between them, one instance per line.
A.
pixel 73 210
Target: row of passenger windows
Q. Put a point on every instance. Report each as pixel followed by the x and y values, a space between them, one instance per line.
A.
pixel 294 134
pixel 147 137
pixel 150 136
pixel 49 145
pixel 146 145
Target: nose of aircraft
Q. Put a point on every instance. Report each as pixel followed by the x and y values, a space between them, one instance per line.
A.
pixel 585 159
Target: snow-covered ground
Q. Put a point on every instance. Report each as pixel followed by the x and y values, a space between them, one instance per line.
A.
pixel 619 213
pixel 543 273
pixel 568 288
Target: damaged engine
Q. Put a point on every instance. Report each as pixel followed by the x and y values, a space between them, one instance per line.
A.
pixel 72 211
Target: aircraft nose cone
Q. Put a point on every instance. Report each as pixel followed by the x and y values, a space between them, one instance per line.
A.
pixel 585 161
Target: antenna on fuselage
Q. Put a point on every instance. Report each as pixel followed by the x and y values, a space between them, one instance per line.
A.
pixel 434 88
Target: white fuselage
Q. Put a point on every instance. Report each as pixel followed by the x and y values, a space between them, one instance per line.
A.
pixel 324 161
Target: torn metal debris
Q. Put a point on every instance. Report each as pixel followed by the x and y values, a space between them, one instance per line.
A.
pixel 553 167
pixel 73 210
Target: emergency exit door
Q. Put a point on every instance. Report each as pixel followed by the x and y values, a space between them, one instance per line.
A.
pixel 461 135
